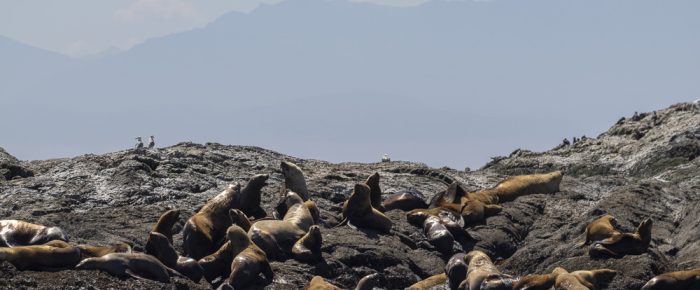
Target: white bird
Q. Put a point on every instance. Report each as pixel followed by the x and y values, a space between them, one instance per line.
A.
pixel 151 143
pixel 385 158
pixel 139 143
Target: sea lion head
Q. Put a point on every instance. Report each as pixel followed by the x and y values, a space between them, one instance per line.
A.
pixel 258 181
pixel 417 216
pixel 90 263
pixel 291 199
pixel 294 178
pixel 237 236
pixel 644 230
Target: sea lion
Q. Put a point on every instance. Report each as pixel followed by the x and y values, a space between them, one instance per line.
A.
pixel 367 282
pixel 680 280
pixel 358 210
pixel 483 274
pixel 453 221
pixel 474 206
pixel 294 180
pixel 239 218
pixel 375 194
pixel 535 282
pixel 88 251
pixel 581 280
pixel 160 247
pixel 438 235
pixel 513 187
pixel 277 237
pixel 600 229
pixel 318 283
pixel 405 201
pixel 624 244
pixel 429 282
pixel 20 233
pixel 50 257
pixel 204 232
pixel 456 270
pixel 308 248
pixel 166 224
pixel 249 263
pixel 136 265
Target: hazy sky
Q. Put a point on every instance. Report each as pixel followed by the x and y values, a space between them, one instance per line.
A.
pixel 442 82
pixel 86 27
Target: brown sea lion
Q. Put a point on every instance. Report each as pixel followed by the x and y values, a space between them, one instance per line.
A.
pixel 680 280
pixel 535 282
pixel 368 282
pixel 456 270
pixel 136 265
pixel 438 235
pixel 249 263
pixel 308 248
pixel 277 237
pixel 294 180
pixel 20 233
pixel 429 282
pixel 160 247
pixel 318 283
pixel 483 274
pixel 204 232
pixel 166 224
pixel 624 244
pixel 473 206
pixel 358 210
pixel 239 218
pixel 513 187
pixel 88 251
pixel 582 280
pixel 54 256
pixel 405 201
pixel 600 229
pixel 375 194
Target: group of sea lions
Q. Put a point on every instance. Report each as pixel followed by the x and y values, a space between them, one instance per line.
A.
pixel 231 240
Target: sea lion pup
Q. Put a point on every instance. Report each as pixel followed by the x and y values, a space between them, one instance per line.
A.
pixel 511 188
pixel 204 232
pixel 405 201
pixel 20 233
pixel 54 256
pixel 535 282
pixel 456 270
pixel 680 280
pixel 358 210
pixel 624 244
pixel 600 229
pixel 318 283
pixel 429 282
pixel 483 274
pixel 308 248
pixel 367 282
pixel 136 265
pixel 249 263
pixel 277 237
pixel 581 280
pixel 375 194
pixel 159 247
pixel 438 235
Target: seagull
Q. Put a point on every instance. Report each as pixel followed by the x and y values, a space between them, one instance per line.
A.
pixel 151 143
pixel 139 143
pixel 385 158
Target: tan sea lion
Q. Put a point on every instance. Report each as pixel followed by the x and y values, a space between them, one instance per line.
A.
pixel 166 224
pixel 20 233
pixel 358 210
pixel 624 244
pixel 483 274
pixel 308 248
pixel 294 180
pixel 318 283
pixel 249 263
pixel 88 251
pixel 204 232
pixel 513 187
pixel 160 247
pixel 136 265
pixel 57 255
pixel 680 280
pixel 375 194
pixel 438 235
pixel 277 237
pixel 239 218
pixel 405 201
pixel 600 229
pixel 456 270
pixel 429 282
pixel 535 282
pixel 581 280
pixel 474 206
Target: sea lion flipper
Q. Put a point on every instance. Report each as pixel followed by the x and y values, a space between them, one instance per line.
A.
pixel 131 274
pixel 267 271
